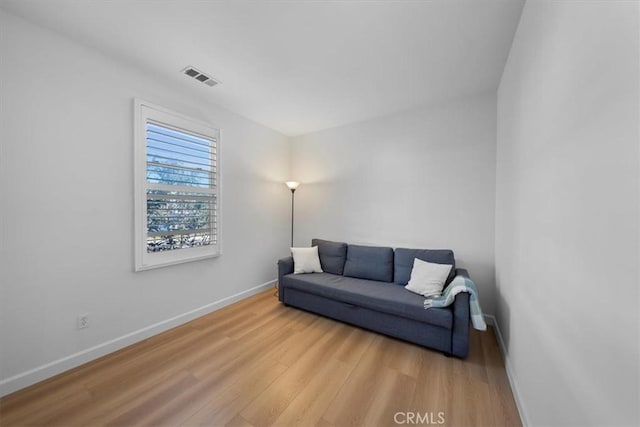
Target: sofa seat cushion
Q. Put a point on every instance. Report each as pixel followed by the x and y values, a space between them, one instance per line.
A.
pixel 379 296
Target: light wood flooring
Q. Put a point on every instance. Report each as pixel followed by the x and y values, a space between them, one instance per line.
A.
pixel 258 363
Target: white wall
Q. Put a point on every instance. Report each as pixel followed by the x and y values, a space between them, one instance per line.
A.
pixel 66 194
pixel 424 179
pixel 567 216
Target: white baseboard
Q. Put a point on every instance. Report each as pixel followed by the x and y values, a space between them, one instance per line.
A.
pixel 491 320
pixel 59 366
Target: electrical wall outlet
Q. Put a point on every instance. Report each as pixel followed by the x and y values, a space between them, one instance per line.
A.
pixel 83 321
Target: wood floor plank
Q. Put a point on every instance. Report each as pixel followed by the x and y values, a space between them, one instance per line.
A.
pixel 238 421
pixel 176 412
pixel 255 345
pixel 139 364
pixel 16 408
pixel 469 403
pixel 324 423
pixel 352 402
pixel 433 385
pixel 354 346
pixel 502 401
pixel 302 321
pixel 241 329
pixel 301 340
pixel 119 401
pixel 314 399
pixel 268 406
pixel 48 414
pixel 404 357
pixel 110 396
pixel 257 363
pixel 52 390
pixel 225 403
pixel 393 395
pixel 143 409
pixel 473 366
pixel 144 395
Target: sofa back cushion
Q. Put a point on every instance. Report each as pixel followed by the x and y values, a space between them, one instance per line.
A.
pixel 369 262
pixel 404 262
pixel 332 255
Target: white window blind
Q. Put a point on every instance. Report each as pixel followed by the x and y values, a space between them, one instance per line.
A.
pixel 180 189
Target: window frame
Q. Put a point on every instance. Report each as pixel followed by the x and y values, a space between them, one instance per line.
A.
pixel 143 112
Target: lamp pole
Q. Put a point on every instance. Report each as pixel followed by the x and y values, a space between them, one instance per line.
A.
pixel 293 192
pixel 292 186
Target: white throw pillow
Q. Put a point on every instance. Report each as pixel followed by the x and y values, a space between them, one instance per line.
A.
pixel 428 278
pixel 306 260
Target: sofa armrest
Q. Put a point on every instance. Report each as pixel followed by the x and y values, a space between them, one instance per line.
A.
pixel 460 332
pixel 285 266
pixel 462 272
pixel 461 318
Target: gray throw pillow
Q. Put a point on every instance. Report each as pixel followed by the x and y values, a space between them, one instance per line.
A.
pixel 369 262
pixel 332 255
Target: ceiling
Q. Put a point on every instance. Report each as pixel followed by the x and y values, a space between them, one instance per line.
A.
pixel 298 66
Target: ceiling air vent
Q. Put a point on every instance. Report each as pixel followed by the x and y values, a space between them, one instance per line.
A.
pixel 200 76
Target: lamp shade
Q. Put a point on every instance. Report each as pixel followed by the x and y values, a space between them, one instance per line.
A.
pixel 292 185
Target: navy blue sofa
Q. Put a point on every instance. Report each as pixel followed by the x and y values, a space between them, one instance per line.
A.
pixel 364 286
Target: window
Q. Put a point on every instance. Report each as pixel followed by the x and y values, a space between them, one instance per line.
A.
pixel 176 188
